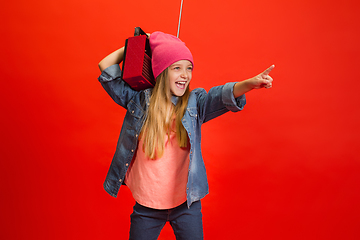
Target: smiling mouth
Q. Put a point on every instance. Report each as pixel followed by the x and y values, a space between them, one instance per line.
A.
pixel 181 84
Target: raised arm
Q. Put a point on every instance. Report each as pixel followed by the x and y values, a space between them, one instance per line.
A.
pixel 115 57
pixel 263 80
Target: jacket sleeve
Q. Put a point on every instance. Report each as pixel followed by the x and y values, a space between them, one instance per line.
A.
pixel 217 101
pixel 118 89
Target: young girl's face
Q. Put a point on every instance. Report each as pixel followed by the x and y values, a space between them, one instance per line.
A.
pixel 180 74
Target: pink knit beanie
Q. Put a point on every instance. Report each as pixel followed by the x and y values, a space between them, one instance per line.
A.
pixel 167 49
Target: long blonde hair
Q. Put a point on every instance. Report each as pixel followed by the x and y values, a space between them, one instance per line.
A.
pixel 158 121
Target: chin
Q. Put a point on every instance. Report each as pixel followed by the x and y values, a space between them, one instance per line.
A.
pixel 178 94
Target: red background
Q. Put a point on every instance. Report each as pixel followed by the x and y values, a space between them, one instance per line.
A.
pixel 287 167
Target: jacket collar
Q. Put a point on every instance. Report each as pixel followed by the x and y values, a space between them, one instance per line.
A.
pixel 174 99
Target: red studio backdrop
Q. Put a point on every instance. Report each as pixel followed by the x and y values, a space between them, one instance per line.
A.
pixel 286 167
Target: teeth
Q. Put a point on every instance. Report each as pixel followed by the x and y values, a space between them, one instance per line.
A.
pixel 181 82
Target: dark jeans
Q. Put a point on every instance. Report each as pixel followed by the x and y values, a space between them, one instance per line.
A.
pixel 146 223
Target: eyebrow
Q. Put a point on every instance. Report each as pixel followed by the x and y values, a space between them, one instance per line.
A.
pixel 178 64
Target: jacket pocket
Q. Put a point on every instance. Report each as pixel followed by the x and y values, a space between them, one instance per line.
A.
pixel 135 110
pixel 133 116
pixel 193 116
pixel 192 112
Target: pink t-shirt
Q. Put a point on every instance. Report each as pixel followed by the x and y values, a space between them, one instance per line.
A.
pixel 160 183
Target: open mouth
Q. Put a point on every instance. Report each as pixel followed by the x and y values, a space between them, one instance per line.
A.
pixel 181 84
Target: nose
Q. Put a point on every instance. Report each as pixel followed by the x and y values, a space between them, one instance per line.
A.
pixel 184 74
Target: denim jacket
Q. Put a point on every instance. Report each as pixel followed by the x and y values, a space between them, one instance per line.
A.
pixel 202 107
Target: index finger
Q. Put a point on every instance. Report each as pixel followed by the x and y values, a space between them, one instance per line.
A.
pixel 267 71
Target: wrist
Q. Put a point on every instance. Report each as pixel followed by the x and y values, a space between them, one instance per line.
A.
pixel 248 84
pixel 242 87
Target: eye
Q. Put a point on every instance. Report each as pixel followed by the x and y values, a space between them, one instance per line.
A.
pixel 190 68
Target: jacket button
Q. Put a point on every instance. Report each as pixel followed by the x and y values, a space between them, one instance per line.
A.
pixel 126 164
pixel 132 150
pixel 120 180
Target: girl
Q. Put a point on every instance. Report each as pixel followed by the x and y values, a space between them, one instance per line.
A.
pixel 158 154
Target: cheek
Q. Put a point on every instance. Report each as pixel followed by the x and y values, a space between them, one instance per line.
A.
pixel 173 77
pixel 190 73
pixel 172 82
